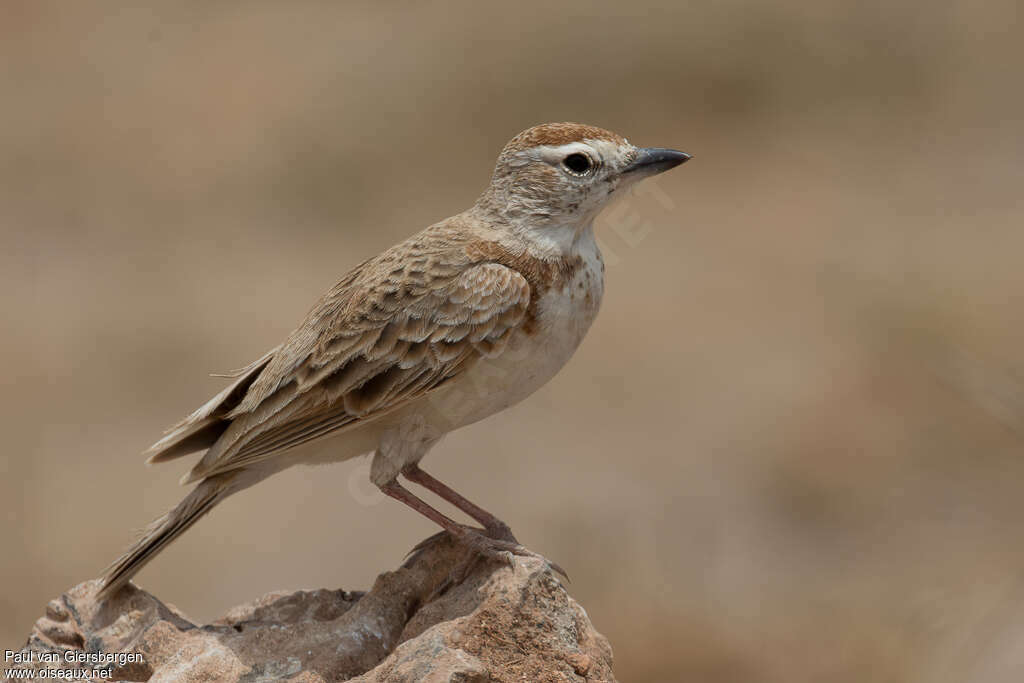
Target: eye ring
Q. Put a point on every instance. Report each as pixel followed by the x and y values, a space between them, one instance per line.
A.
pixel 578 164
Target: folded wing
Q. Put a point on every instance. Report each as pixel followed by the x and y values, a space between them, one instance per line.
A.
pixel 381 338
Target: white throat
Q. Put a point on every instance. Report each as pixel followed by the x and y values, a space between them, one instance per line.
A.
pixel 556 241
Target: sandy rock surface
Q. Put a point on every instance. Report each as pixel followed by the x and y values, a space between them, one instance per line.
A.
pixel 499 623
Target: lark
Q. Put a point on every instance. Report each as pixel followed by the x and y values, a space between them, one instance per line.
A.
pixel 456 323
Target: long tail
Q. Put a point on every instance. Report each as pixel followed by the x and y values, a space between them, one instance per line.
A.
pixel 165 529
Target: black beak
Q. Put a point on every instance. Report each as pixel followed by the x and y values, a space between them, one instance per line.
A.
pixel 653 160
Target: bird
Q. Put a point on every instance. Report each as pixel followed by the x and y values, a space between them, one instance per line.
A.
pixel 456 323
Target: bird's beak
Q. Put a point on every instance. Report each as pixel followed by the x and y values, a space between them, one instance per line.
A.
pixel 654 160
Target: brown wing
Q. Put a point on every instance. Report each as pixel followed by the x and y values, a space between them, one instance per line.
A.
pixel 202 428
pixel 395 330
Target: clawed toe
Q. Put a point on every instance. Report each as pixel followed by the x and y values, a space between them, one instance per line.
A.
pixel 496 543
pixel 505 551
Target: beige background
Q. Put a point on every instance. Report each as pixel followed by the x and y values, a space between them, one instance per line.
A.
pixel 791 446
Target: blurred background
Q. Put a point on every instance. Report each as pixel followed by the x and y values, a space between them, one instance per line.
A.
pixel 791 446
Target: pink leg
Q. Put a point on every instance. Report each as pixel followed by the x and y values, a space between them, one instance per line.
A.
pixel 493 548
pixel 494 526
pixel 404 495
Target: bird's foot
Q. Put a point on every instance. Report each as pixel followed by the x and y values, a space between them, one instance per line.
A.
pixel 499 544
pixel 499 531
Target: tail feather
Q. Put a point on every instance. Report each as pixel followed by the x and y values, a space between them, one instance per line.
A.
pixel 164 530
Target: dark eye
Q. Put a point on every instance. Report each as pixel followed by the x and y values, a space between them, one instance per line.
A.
pixel 577 163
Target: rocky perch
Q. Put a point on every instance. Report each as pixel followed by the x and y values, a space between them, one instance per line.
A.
pixel 499 623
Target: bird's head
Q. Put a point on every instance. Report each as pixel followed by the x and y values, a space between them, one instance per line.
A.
pixel 560 175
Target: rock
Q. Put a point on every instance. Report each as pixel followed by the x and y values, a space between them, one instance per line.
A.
pixel 498 623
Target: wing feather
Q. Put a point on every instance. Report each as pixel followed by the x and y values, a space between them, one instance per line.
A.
pixel 203 427
pixel 378 341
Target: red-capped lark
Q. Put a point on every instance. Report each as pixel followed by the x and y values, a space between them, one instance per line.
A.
pixel 456 323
